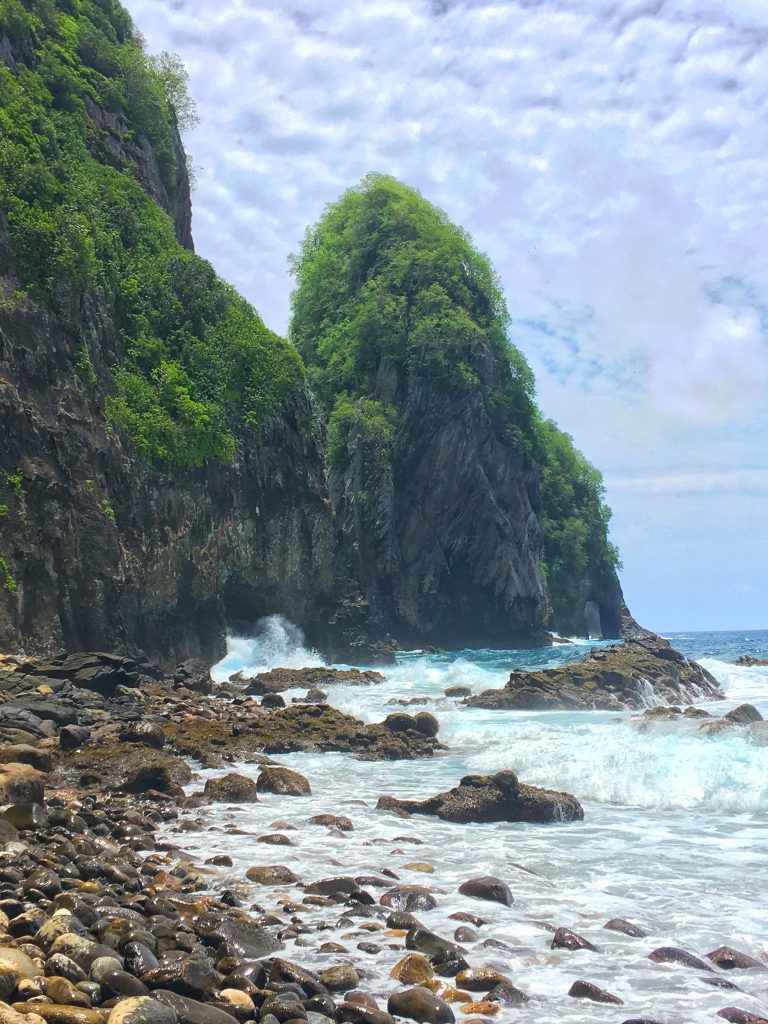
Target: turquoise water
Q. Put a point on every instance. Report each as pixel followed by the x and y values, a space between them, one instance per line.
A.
pixel 675 836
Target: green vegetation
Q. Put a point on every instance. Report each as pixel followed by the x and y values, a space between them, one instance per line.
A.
pixel 384 277
pixel 197 365
pixel 15 481
pixel 84 367
pixel 574 519
pixel 375 423
pixel 107 509
pixel 3 511
pixel 8 581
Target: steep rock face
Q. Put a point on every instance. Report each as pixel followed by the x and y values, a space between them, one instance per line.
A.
pixel 443 540
pixel 598 611
pixel 100 548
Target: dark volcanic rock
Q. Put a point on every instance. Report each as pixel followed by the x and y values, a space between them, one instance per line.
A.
pixel 751 662
pixel 278 680
pixel 500 797
pixel 624 675
pixel 242 935
pixel 132 769
pixel 194 675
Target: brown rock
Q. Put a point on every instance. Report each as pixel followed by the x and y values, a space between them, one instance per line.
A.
pixel 607 678
pixel 564 938
pixel 586 990
pixel 500 797
pixel 272 874
pixel 421 1005
pixel 283 781
pixel 231 789
pixel 487 887
pixel 729 959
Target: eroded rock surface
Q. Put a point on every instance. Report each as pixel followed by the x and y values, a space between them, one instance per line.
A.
pixel 630 675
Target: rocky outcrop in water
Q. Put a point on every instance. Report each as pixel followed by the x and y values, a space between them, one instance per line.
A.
pixel 277 680
pixel 643 671
pixel 500 797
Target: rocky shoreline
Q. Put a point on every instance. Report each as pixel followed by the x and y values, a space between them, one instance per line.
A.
pixel 104 919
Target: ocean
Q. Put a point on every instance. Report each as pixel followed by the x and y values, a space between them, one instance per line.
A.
pixel 675 835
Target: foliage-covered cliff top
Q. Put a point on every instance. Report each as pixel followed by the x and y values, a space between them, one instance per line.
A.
pixel 88 126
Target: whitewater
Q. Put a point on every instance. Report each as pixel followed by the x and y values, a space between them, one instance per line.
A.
pixel 675 835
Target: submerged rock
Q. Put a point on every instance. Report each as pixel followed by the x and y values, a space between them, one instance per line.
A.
pixel 625 675
pixel 500 797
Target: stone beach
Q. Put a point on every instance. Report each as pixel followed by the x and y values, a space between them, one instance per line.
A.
pixel 104 919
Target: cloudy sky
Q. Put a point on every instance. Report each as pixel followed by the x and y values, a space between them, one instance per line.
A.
pixel 608 155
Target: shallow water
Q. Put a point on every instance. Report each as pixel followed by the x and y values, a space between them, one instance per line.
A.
pixel 675 836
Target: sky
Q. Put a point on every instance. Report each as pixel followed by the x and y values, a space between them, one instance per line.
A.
pixel 610 158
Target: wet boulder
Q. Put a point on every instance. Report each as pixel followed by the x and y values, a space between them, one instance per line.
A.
pixel 488 887
pixel 564 938
pixel 231 789
pixel 729 959
pixel 409 897
pixel 484 798
pixel 421 1005
pixel 673 955
pixel 282 781
pixel 744 714
pixel 243 935
pixel 618 924
pixel 586 990
pixel 272 874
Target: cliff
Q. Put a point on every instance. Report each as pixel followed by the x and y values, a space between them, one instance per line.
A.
pixel 442 537
pixel 102 547
pixel 165 472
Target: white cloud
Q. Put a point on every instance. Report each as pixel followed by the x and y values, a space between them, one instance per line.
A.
pixel 610 158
